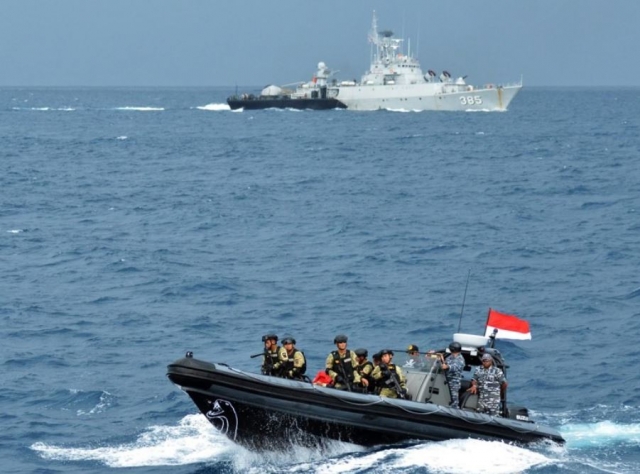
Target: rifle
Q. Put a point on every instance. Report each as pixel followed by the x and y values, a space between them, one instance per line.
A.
pixel 267 367
pixel 393 378
pixel 344 376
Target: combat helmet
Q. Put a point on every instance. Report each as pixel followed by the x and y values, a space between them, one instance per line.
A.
pixel 455 347
pixel 361 352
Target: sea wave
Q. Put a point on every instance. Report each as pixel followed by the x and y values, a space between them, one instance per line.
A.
pixel 192 441
pixel 214 107
pixel 140 109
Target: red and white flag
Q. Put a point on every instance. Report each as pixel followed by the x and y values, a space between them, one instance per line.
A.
pixel 508 326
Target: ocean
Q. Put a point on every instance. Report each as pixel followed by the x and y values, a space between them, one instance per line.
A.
pixel 138 224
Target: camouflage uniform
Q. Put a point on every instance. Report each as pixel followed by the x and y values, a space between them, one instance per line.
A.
pixel 489 381
pixel 365 370
pixel 384 378
pixel 342 367
pixel 455 364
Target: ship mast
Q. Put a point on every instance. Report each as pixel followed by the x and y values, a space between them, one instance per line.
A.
pixel 373 35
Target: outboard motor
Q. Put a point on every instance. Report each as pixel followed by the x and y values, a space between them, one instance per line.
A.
pixel 519 413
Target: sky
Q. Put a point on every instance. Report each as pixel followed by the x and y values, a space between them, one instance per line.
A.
pixel 258 42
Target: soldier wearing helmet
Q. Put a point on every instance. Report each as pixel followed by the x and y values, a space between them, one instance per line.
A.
pixel 364 368
pixel 340 365
pixel 389 377
pixel 453 366
pixel 270 360
pixel 294 363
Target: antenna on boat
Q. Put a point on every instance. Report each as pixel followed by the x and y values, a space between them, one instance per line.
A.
pixel 418 37
pixel 463 300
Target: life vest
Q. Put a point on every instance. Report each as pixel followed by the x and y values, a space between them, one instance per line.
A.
pixel 343 366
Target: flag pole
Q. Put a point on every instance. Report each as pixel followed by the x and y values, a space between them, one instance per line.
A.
pixel 463 300
pixel 487 323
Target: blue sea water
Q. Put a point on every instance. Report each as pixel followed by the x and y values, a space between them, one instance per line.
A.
pixel 137 224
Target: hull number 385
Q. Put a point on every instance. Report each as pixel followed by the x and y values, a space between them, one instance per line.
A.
pixel 470 100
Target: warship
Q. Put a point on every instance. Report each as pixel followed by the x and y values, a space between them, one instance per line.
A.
pixel 396 81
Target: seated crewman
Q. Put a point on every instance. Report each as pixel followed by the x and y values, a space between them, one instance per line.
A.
pixel 364 369
pixel 340 365
pixel 294 363
pixel 270 360
pixel 389 377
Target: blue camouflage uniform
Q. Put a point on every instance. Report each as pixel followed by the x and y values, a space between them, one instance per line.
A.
pixel 489 381
pixel 455 364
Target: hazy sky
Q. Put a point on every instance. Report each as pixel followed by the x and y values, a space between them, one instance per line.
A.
pixel 257 42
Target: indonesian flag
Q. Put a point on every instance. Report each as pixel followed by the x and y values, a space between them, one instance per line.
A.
pixel 508 326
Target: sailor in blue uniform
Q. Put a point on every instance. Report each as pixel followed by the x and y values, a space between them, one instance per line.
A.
pixel 453 365
pixel 488 381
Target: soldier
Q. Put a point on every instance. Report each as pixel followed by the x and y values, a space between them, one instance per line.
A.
pixel 488 381
pixel 294 364
pixel 270 360
pixel 364 369
pixel 453 366
pixel 390 377
pixel 340 365
pixel 376 359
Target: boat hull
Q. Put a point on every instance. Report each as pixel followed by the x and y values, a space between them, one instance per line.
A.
pixel 263 412
pixel 426 96
pixel 284 103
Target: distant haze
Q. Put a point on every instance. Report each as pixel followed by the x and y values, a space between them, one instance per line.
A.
pixel 253 42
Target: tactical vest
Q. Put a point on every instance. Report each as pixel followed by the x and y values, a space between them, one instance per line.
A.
pixel 394 373
pixel 360 370
pixel 270 359
pixel 288 364
pixel 342 366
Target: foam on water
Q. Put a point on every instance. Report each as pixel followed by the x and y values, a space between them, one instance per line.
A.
pixel 463 456
pixel 105 401
pixel 192 441
pixel 214 107
pixel 299 459
pixel 46 109
pixel 141 109
pixel 451 457
pixel 580 435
